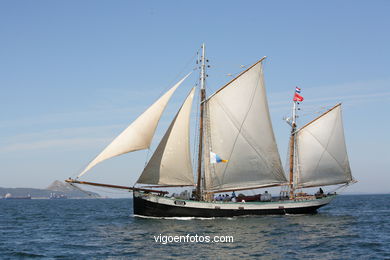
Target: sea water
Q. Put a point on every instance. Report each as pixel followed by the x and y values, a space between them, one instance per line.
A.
pixel 351 227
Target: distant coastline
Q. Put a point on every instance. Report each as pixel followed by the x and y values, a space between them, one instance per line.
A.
pixel 56 190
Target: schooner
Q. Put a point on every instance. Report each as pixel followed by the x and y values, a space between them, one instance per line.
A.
pixel 235 125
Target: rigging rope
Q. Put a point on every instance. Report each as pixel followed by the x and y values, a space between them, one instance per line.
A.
pixel 196 137
pixel 83 191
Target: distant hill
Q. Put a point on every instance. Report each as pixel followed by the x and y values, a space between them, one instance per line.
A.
pixel 57 187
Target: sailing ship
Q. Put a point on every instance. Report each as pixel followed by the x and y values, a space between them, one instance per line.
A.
pixel 234 124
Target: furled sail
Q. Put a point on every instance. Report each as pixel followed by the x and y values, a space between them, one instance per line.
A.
pixel 171 162
pixel 139 134
pixel 239 130
pixel 321 151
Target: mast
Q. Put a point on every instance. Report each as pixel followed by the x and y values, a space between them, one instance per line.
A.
pixel 202 99
pixel 292 148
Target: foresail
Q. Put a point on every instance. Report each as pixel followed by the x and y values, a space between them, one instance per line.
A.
pixel 322 153
pixel 171 162
pixel 239 130
pixel 139 134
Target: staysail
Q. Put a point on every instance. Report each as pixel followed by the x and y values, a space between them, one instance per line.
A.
pixel 171 162
pixel 139 134
pixel 239 130
pixel 321 151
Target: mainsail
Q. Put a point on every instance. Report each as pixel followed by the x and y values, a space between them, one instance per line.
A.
pixel 171 162
pixel 239 129
pixel 321 151
pixel 139 134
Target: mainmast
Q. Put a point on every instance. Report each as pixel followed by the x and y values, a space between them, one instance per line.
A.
pixel 297 98
pixel 202 100
pixel 292 148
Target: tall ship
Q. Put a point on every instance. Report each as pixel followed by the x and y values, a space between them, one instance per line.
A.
pixel 236 151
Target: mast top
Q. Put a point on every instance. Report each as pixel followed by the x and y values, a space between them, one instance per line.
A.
pixel 203 67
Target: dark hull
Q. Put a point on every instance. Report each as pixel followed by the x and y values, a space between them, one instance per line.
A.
pixel 147 208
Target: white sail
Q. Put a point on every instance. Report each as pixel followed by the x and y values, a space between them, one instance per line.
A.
pixel 139 134
pixel 321 151
pixel 239 130
pixel 171 162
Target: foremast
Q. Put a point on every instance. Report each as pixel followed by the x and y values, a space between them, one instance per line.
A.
pixel 201 122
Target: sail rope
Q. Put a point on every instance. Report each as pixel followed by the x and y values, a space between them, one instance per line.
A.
pixel 235 74
pixel 208 141
pixel 285 188
pixel 83 191
pixel 196 136
pixel 314 110
pixel 341 187
pixel 181 71
pixel 296 165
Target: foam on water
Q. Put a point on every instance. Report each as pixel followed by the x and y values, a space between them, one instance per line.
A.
pixel 176 218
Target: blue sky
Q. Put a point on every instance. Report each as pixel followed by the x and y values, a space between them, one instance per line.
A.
pixel 73 74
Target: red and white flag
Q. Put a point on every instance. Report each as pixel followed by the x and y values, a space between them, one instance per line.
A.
pixel 297 97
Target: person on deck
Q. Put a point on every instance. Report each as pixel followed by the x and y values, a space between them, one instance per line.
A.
pixel 266 196
pixel 234 198
pixel 319 193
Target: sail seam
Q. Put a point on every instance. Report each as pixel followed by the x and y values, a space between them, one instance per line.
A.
pixel 325 148
pixel 259 154
pixel 240 132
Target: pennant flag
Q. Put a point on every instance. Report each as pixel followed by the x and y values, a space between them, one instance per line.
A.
pixel 214 158
pixel 297 96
